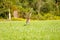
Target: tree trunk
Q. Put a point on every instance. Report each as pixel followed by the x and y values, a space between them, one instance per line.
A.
pixel 39 3
pixel 57 9
pixel 9 15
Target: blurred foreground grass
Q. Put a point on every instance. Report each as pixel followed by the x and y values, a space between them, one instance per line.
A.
pixel 36 30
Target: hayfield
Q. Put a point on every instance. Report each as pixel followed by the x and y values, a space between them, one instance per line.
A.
pixel 36 30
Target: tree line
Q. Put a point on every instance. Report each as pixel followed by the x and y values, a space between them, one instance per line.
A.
pixel 39 9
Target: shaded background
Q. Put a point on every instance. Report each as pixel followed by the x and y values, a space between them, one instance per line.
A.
pixel 39 9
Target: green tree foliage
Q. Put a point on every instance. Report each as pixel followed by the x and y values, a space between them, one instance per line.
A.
pixel 40 7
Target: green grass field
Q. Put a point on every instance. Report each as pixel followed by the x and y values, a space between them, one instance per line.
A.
pixel 36 30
